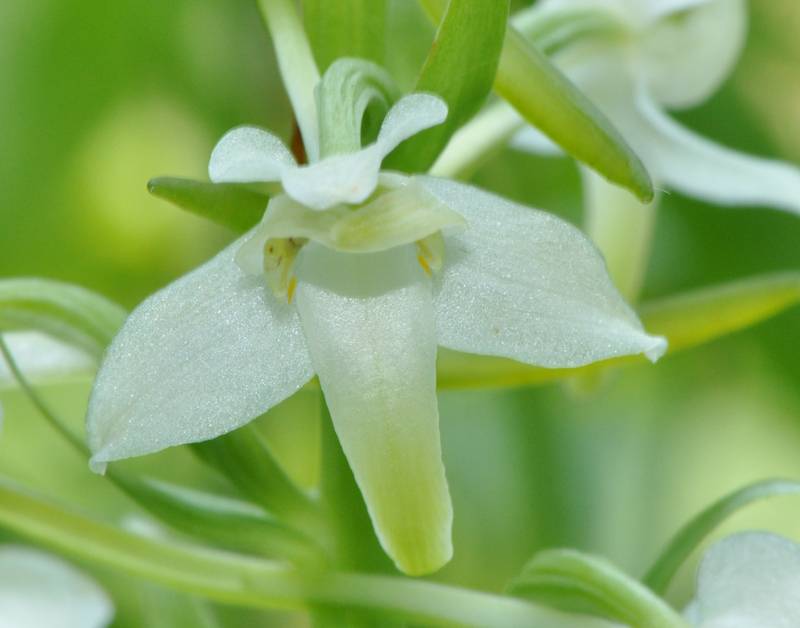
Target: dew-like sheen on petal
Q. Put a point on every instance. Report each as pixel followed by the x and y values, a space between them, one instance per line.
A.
pixel 523 284
pixel 200 358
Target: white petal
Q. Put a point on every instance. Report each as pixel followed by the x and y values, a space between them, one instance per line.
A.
pixel 198 359
pixel 41 357
pixel 523 284
pixel 38 590
pixel 749 580
pixel 352 177
pixel 347 178
pixel 408 116
pixel 397 216
pixel 248 154
pixel 698 167
pixel 370 327
pixel 685 59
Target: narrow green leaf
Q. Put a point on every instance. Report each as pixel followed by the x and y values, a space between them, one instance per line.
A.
pixel 702 315
pixel 460 68
pixel 244 457
pixel 549 101
pixel 352 94
pixel 253 582
pixel 691 535
pixel 687 321
pixel 67 312
pixel 226 522
pixel 581 583
pixel 231 205
pixel 346 28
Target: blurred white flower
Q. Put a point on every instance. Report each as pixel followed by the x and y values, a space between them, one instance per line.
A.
pixel 38 590
pixel 41 358
pixel 671 54
pixel 368 272
pixel 748 580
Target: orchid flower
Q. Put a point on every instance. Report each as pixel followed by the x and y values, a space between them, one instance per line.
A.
pixel 356 275
pixel 37 589
pixel 748 580
pixel 640 58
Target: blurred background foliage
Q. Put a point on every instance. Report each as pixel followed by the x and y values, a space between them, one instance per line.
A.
pixel 98 97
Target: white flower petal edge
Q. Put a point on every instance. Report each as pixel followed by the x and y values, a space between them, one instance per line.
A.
pixel 684 60
pixel 41 358
pixel 369 323
pixel 203 356
pixel 247 154
pixel 37 589
pixel 523 284
pixel 351 178
pixel 693 165
pixel 748 580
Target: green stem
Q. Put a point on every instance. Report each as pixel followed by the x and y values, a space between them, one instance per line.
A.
pixel 297 66
pixel 255 583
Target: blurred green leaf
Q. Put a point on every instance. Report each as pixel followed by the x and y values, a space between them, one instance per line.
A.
pixel 549 101
pixel 66 312
pixel 226 522
pixel 460 68
pixel 352 94
pixel 702 315
pixel 231 205
pixel 687 320
pixel 346 28
pixel 581 583
pixel 689 538
pixel 244 457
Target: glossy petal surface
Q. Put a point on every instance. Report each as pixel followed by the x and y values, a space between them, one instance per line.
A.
pixel 748 580
pixel 38 590
pixel 522 284
pixel 200 358
pixel 369 322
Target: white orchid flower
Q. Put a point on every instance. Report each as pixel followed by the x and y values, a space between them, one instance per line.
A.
pixel 368 272
pixel 672 54
pixel 38 589
pixel 649 56
pixel 748 580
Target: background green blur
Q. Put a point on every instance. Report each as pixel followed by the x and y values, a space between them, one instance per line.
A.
pixel 97 97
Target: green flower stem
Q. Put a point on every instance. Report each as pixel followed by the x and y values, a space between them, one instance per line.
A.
pixel 478 141
pixel 622 228
pixel 572 580
pixel 255 583
pixel 297 66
